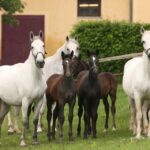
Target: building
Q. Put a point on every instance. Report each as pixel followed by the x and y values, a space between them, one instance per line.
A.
pixel 56 18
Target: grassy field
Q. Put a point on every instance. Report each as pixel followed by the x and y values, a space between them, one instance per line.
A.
pixel 118 140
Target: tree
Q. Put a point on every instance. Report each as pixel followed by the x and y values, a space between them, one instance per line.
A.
pixel 9 7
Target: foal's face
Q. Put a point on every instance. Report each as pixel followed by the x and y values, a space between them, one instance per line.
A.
pixel 67 58
pixel 93 63
pixel 37 48
pixel 66 66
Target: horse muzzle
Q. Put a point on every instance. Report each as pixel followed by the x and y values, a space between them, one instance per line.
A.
pixel 147 51
pixel 40 64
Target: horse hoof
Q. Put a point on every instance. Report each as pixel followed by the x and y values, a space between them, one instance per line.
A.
pixel 71 139
pixel 113 129
pixel 78 134
pixel 85 137
pixel 10 130
pixel 22 144
pixel 49 138
pixel 35 142
pixel 148 135
pixel 137 138
pixel 53 138
pixel 18 131
pixel 39 129
pixel 105 130
pixel 145 131
pixel 60 141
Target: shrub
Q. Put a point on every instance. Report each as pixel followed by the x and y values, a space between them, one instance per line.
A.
pixel 110 38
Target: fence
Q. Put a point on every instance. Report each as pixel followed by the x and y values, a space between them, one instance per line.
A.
pixel 121 57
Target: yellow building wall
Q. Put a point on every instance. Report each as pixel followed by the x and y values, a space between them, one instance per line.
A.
pixel 115 10
pixel 141 11
pixel 60 15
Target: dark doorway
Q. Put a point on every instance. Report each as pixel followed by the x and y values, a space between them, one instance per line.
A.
pixel 15 39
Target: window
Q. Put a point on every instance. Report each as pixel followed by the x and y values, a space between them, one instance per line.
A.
pixel 89 8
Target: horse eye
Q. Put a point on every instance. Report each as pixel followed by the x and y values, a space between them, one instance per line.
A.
pixel 143 42
pixel 31 47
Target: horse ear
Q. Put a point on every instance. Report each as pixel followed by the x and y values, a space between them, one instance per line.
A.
pixel 67 38
pixel 71 55
pixel 63 55
pixel 142 30
pixel 41 35
pixel 76 37
pixel 31 36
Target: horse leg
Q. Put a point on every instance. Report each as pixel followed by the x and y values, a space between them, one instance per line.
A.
pixel 10 124
pixel 80 112
pixel 55 115
pixel 113 109
pixel 4 108
pixel 86 117
pixel 89 121
pixel 53 108
pixel 106 105
pixel 94 117
pixel 133 115
pixel 40 115
pixel 28 115
pixel 145 119
pixel 148 114
pixel 35 121
pixel 25 106
pixel 138 115
pixel 49 115
pixel 16 115
pixel 61 120
pixel 70 119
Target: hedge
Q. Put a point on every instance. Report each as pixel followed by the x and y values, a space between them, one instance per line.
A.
pixel 110 38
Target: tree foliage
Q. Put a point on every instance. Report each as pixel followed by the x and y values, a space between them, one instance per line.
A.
pixel 9 7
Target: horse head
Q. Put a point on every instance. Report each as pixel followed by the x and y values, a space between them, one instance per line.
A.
pixel 66 61
pixel 78 65
pixel 71 44
pixel 146 41
pixel 37 49
pixel 93 61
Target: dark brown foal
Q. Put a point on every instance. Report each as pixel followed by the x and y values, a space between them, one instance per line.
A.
pixel 88 90
pixel 61 89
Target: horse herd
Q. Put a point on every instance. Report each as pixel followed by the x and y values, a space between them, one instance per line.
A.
pixel 58 79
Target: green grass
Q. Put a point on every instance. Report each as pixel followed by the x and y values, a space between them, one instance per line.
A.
pixel 119 140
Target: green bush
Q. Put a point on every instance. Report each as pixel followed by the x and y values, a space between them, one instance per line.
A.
pixel 111 39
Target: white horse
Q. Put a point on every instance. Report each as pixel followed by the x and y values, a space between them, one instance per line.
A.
pixel 136 83
pixel 24 83
pixel 53 64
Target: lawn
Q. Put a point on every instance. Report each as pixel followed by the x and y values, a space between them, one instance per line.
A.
pixel 120 139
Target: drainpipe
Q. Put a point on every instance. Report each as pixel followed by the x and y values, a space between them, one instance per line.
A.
pixel 130 10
